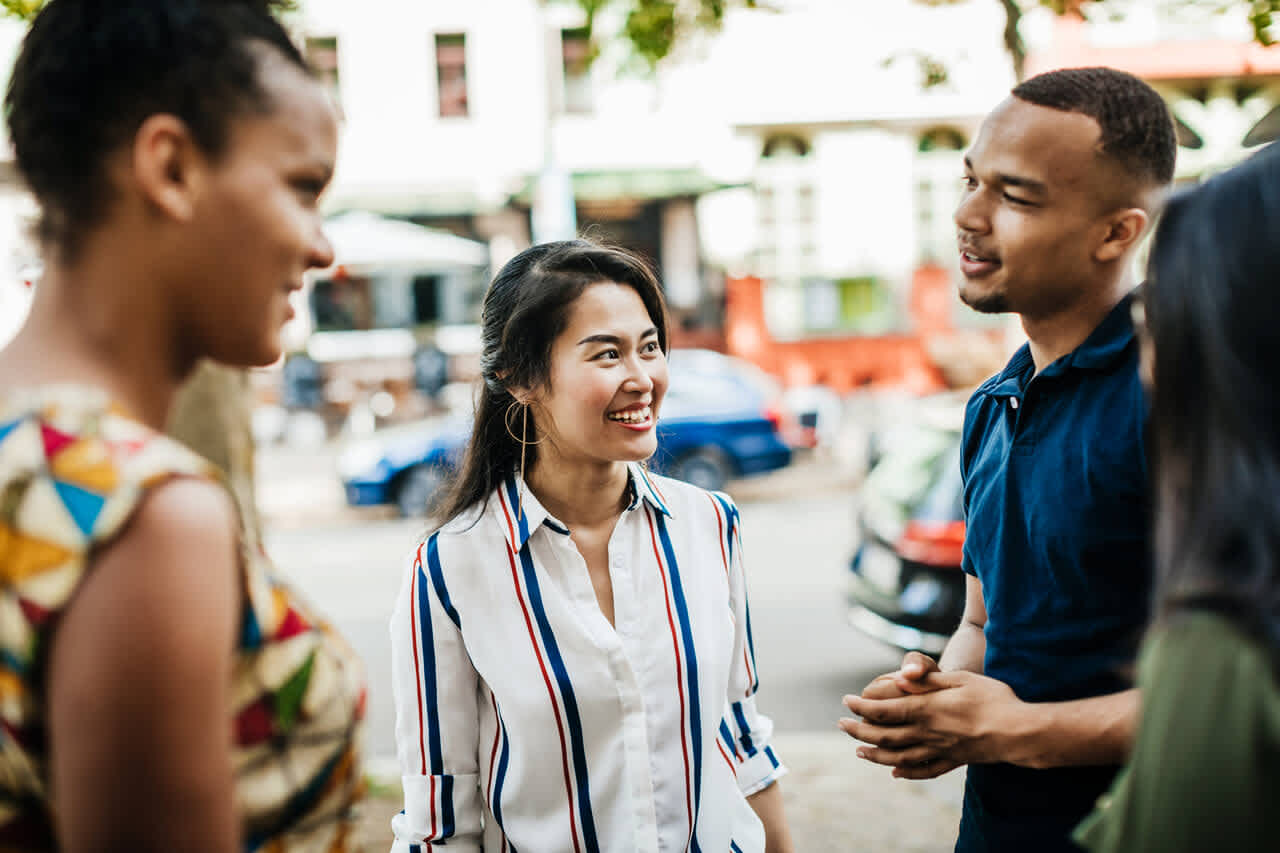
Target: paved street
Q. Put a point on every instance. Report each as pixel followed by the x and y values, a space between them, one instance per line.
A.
pixel 797 538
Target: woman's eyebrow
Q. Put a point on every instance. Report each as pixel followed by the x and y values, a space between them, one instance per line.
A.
pixel 605 338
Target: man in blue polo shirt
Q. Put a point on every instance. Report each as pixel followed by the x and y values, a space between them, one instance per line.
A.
pixel 1033 691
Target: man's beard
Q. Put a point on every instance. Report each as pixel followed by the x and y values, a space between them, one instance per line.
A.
pixel 993 302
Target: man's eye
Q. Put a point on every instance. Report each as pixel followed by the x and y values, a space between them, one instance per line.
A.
pixel 609 353
pixel 1015 200
pixel 969 182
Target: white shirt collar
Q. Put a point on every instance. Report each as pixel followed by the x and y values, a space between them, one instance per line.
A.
pixel 520 512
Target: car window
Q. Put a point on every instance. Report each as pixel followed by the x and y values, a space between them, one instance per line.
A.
pixel 909 465
pixel 944 499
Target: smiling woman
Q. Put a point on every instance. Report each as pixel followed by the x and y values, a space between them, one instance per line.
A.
pixel 596 609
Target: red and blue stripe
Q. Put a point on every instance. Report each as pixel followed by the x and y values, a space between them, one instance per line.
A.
pixel 531 603
pixel 682 639
pixel 441 806
pixel 498 766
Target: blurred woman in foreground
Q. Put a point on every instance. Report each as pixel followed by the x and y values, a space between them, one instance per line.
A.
pixel 1204 773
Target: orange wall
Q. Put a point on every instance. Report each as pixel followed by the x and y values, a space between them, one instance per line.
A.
pixel 841 363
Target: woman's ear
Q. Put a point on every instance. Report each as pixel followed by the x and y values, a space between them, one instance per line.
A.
pixel 167 166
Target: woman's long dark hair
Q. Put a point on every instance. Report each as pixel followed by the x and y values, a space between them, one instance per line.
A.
pixel 525 309
pixel 1213 308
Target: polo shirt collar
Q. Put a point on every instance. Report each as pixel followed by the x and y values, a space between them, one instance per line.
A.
pixel 1105 345
pixel 521 513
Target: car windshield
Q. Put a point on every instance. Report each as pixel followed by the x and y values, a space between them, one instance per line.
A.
pixel 944 500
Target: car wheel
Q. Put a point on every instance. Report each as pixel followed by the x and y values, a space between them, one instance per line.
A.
pixel 419 489
pixel 706 468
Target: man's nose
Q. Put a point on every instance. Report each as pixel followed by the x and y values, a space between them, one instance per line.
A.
pixel 970 214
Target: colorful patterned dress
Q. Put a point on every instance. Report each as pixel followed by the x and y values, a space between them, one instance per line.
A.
pixel 73 468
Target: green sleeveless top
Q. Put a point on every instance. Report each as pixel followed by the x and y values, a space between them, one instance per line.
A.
pixel 1204 773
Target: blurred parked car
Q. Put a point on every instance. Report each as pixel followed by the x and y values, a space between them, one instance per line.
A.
pixel 906 587
pixel 712 427
pixel 803 415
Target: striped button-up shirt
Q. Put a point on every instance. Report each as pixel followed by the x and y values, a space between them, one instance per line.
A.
pixel 525 721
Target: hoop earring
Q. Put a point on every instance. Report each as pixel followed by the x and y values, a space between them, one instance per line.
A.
pixel 524 442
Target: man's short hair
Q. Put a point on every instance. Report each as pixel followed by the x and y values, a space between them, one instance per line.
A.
pixel 91 71
pixel 1137 130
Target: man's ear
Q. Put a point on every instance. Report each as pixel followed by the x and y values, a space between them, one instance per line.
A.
pixel 168 166
pixel 1124 230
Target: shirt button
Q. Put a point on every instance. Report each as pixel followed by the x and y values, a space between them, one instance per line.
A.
pixel 1013 402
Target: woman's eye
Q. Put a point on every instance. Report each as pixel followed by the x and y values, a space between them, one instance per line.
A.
pixel 609 353
pixel 308 188
pixel 650 347
pixel 969 182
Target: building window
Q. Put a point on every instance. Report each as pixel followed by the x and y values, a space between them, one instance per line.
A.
pixel 939 169
pixel 451 74
pixel 787 205
pixel 322 55
pixel 575 58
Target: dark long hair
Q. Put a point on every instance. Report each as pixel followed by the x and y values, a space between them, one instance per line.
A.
pixel 525 309
pixel 1213 305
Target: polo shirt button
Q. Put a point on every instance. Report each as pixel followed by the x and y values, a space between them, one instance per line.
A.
pixel 1013 402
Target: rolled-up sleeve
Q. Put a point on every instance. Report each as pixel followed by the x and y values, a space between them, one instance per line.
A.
pixel 437 728
pixel 747 730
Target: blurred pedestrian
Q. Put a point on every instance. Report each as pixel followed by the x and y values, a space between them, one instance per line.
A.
pixel 571 650
pixel 160 690
pixel 1032 691
pixel 1204 773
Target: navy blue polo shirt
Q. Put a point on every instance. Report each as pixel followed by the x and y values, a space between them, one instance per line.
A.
pixel 1056 509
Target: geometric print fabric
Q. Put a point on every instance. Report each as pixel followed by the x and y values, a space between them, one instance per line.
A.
pixel 73 468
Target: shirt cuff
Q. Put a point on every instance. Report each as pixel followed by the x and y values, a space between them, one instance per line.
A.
pixel 760 771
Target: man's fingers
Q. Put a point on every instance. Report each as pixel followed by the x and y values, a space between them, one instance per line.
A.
pixel 913 756
pixel 929 770
pixel 916 666
pixel 884 712
pixel 891 737
pixel 884 687
pixel 914 686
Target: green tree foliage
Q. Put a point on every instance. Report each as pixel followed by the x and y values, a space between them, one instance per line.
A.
pixel 654 27
pixel 26 9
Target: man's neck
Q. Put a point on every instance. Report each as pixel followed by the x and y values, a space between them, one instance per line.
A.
pixel 1055 335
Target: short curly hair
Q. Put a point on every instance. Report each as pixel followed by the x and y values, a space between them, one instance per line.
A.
pixel 1137 130
pixel 91 71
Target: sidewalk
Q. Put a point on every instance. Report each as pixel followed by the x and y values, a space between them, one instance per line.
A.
pixel 834 802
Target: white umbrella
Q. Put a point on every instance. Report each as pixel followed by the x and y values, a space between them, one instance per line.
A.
pixel 363 240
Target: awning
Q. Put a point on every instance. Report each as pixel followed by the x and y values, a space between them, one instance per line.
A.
pixel 364 240
pixel 632 185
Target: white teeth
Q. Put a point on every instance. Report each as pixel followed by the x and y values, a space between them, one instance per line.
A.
pixel 637 416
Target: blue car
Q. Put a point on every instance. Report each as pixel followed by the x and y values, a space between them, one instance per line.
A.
pixel 709 431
